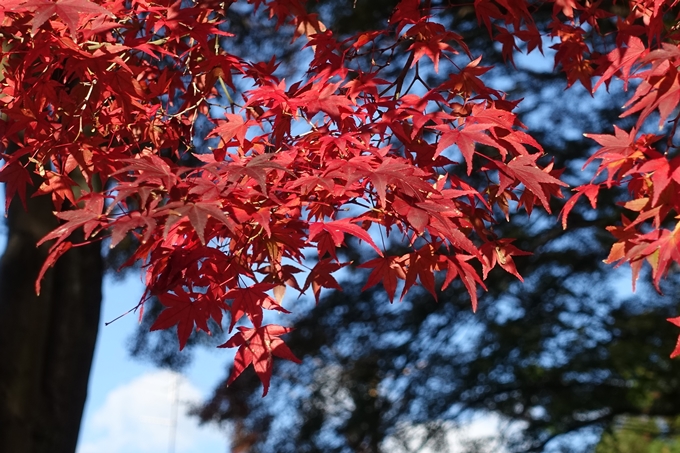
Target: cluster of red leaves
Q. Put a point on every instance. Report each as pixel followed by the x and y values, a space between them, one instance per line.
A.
pixel 99 99
pixel 646 53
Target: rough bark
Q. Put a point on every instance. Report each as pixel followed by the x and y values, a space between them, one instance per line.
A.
pixel 47 341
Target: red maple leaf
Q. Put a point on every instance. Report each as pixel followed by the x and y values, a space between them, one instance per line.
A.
pixel 152 169
pixel 431 39
pixel 181 311
pixel 458 266
pixel 388 270
pixel 320 277
pixel 90 218
pixel 259 346
pixel 418 218
pixel 331 235
pixel 616 149
pixel 421 265
pixel 501 252
pixel 407 11
pixel 676 351
pixel 234 127
pixel 621 60
pixel 661 171
pixel 68 10
pixel 197 213
pixel 325 100
pixel 250 301
pixel 589 190
pixel 55 252
pixel 663 248
pixel 539 182
pixel 132 221
pixel 60 186
pixel 16 178
pixel 659 90
pixel 256 168
pixel 403 176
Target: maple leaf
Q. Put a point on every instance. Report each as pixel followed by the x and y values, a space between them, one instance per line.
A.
pixel 539 182
pixel 566 7
pixel 621 60
pixel 659 90
pixel 406 178
pixel 320 277
pixel 625 245
pixel 501 252
pixel 676 351
pixel 89 217
pixel 256 168
pixel 326 101
pixel 308 25
pixel 465 144
pixel 431 39
pixel 198 214
pixel 234 127
pixel 571 53
pixel 258 347
pixel 589 190
pixel 661 171
pixel 418 218
pixel 60 186
pixel 133 220
pixel 152 169
pixel 473 131
pixel 13 5
pixel 508 42
pixel 615 151
pixel 407 11
pixel 181 311
pixel 443 227
pixel 250 301
pixel 55 252
pixel 336 230
pixel 458 266
pixel 68 10
pixel 388 270
pixel 662 249
pixel 16 178
pixel 421 265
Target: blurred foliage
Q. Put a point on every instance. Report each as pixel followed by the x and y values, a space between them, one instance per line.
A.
pixel 642 435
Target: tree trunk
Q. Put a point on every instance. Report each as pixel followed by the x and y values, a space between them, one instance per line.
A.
pixel 47 341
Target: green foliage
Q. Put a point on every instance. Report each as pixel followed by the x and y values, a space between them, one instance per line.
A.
pixel 641 435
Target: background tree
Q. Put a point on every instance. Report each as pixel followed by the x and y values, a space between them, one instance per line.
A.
pixel 640 434
pixel 48 340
